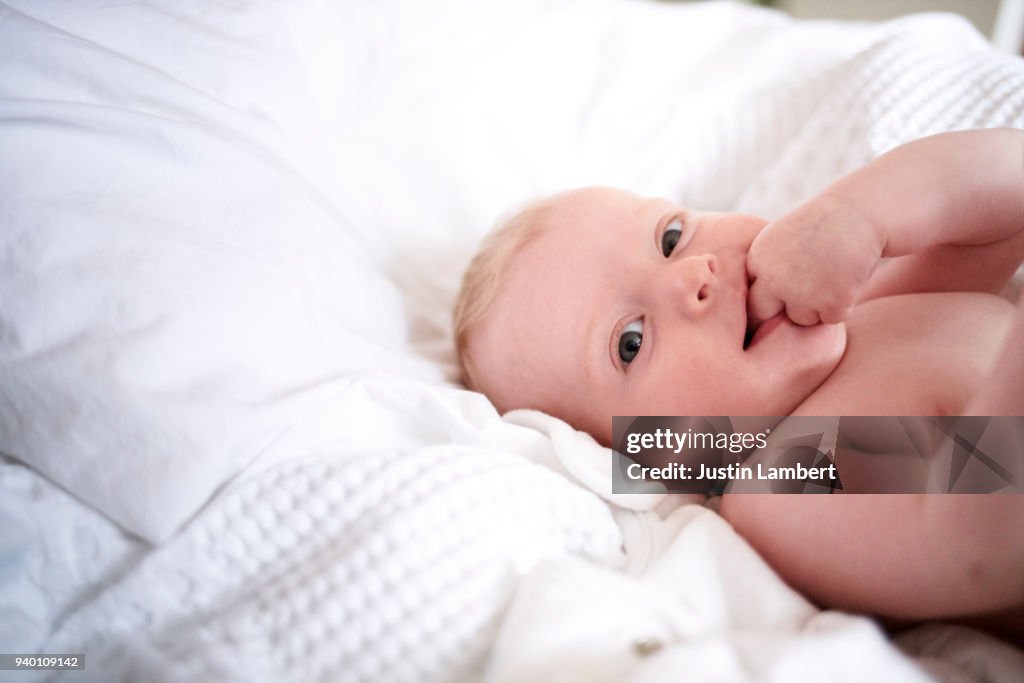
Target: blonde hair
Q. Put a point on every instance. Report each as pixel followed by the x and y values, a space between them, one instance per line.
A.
pixel 485 274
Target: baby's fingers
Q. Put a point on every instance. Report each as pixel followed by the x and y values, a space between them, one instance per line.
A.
pixel 836 314
pixel 802 315
pixel 761 304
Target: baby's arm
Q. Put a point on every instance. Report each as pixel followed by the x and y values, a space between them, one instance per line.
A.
pixel 950 207
pixel 899 556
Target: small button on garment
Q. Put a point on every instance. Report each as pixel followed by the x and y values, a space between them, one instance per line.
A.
pixel 645 647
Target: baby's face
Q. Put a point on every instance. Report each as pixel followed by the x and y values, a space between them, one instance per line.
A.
pixel 634 306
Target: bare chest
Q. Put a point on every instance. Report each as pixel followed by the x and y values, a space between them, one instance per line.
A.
pixel 917 354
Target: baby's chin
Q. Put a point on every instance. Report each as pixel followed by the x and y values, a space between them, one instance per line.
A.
pixel 797 360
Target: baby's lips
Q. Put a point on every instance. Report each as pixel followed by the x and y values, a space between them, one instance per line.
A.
pixel 761 306
pixel 766 328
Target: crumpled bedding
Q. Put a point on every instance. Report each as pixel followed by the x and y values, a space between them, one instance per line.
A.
pixel 707 608
pixel 231 236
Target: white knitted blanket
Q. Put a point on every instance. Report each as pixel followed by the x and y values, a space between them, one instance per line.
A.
pixel 232 234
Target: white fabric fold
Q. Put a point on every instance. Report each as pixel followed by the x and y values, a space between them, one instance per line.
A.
pixel 707 610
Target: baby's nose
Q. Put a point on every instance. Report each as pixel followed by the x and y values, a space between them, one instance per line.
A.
pixel 697 277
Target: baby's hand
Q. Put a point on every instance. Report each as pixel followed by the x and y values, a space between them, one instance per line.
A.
pixel 814 262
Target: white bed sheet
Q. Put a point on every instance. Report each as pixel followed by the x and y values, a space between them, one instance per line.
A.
pixel 231 235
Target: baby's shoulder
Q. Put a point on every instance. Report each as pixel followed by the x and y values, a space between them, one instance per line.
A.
pixel 914 354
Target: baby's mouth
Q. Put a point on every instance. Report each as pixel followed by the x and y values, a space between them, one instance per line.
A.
pixel 750 332
pixel 762 330
pixel 754 331
pixel 749 326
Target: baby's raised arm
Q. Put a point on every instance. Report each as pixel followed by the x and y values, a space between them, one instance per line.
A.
pixel 949 207
pixel 952 205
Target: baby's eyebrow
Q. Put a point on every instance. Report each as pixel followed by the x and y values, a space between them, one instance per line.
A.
pixel 591 332
pixel 649 205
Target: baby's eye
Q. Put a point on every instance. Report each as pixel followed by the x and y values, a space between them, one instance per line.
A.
pixel 670 237
pixel 630 340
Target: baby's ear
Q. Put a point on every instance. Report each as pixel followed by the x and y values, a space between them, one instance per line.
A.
pixel 464 363
pixel 465 378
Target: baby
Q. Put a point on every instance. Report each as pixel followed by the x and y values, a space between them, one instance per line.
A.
pixel 597 302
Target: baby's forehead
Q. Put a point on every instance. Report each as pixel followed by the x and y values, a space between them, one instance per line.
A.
pixel 526 343
pixel 578 247
pixel 588 202
pixel 576 254
pixel 584 222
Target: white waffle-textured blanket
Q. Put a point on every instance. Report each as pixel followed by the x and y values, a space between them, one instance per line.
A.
pixel 231 234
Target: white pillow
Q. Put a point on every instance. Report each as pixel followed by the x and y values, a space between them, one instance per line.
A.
pixel 173 291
